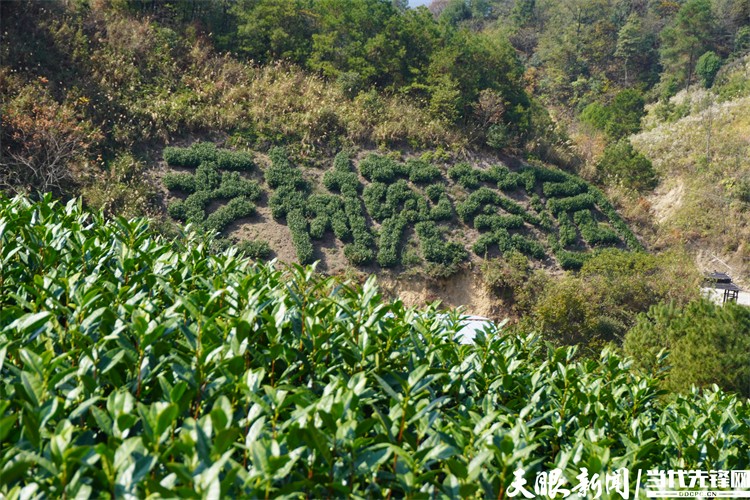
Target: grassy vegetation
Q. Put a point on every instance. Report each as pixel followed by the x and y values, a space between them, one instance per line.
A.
pixel 165 370
pixel 703 159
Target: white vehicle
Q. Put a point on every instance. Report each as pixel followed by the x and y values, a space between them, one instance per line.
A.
pixel 472 325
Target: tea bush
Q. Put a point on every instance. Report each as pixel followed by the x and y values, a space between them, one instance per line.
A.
pixel 422 172
pixel 207 176
pixel 563 189
pixel 300 236
pixel 435 249
pixel 378 168
pixel 223 216
pixel 389 248
pixel 571 204
pixel 443 210
pixel 254 249
pixel 593 232
pixel 434 192
pixel 180 182
pixel 133 366
pixel 566 230
pixel 360 252
pixel 465 175
pixel 209 184
pixel 510 182
pixel 391 192
pixel 235 160
pixel 484 222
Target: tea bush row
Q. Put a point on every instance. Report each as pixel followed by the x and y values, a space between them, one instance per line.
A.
pixel 570 261
pixel 254 249
pixel 615 220
pixel 566 230
pixel 492 222
pixel 360 251
pixel 291 189
pixel 201 152
pixel 389 248
pixel 435 249
pixel 342 178
pixel 422 172
pixel 180 182
pixel 465 175
pixel 212 185
pixel 443 210
pixel 563 189
pixel 384 202
pixel 505 242
pixel 377 168
pixel 300 236
pixel 594 233
pixel 223 216
pixel 571 204
pixel 484 197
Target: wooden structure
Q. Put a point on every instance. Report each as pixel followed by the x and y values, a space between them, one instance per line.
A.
pixel 723 285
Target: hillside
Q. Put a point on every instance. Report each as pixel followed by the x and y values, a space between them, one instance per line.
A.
pixel 171 170
pixel 380 211
pixel 699 143
pixel 132 366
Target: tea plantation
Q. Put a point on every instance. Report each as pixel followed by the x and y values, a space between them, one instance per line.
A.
pixel 370 205
pixel 137 367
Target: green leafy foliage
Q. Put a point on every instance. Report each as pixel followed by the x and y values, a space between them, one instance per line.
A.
pixel 486 207
pixel 592 231
pixel 622 164
pixel 465 175
pixel 300 236
pixel 563 189
pixel 191 157
pixel 571 204
pixel 435 249
pixel 707 67
pixel 708 344
pixel 209 184
pixel 602 302
pixel 567 231
pixel 389 251
pixel 254 249
pixel 223 216
pixel 180 182
pixel 204 374
pixel 381 168
pixel 283 173
pixel 422 172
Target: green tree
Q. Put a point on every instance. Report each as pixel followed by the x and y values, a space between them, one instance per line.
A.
pixel 476 62
pixel 622 164
pixel 707 344
pixel 630 42
pixel 689 36
pixel 625 113
pixel 707 67
pixel 603 301
pixel 269 30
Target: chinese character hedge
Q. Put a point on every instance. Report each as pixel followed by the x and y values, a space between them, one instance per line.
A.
pixel 132 366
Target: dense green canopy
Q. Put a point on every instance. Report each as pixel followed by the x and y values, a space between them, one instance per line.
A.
pixel 132 366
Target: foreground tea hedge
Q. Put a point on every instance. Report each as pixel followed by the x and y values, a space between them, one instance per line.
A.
pixel 134 367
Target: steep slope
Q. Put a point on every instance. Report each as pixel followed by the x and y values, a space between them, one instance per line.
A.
pixel 702 153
